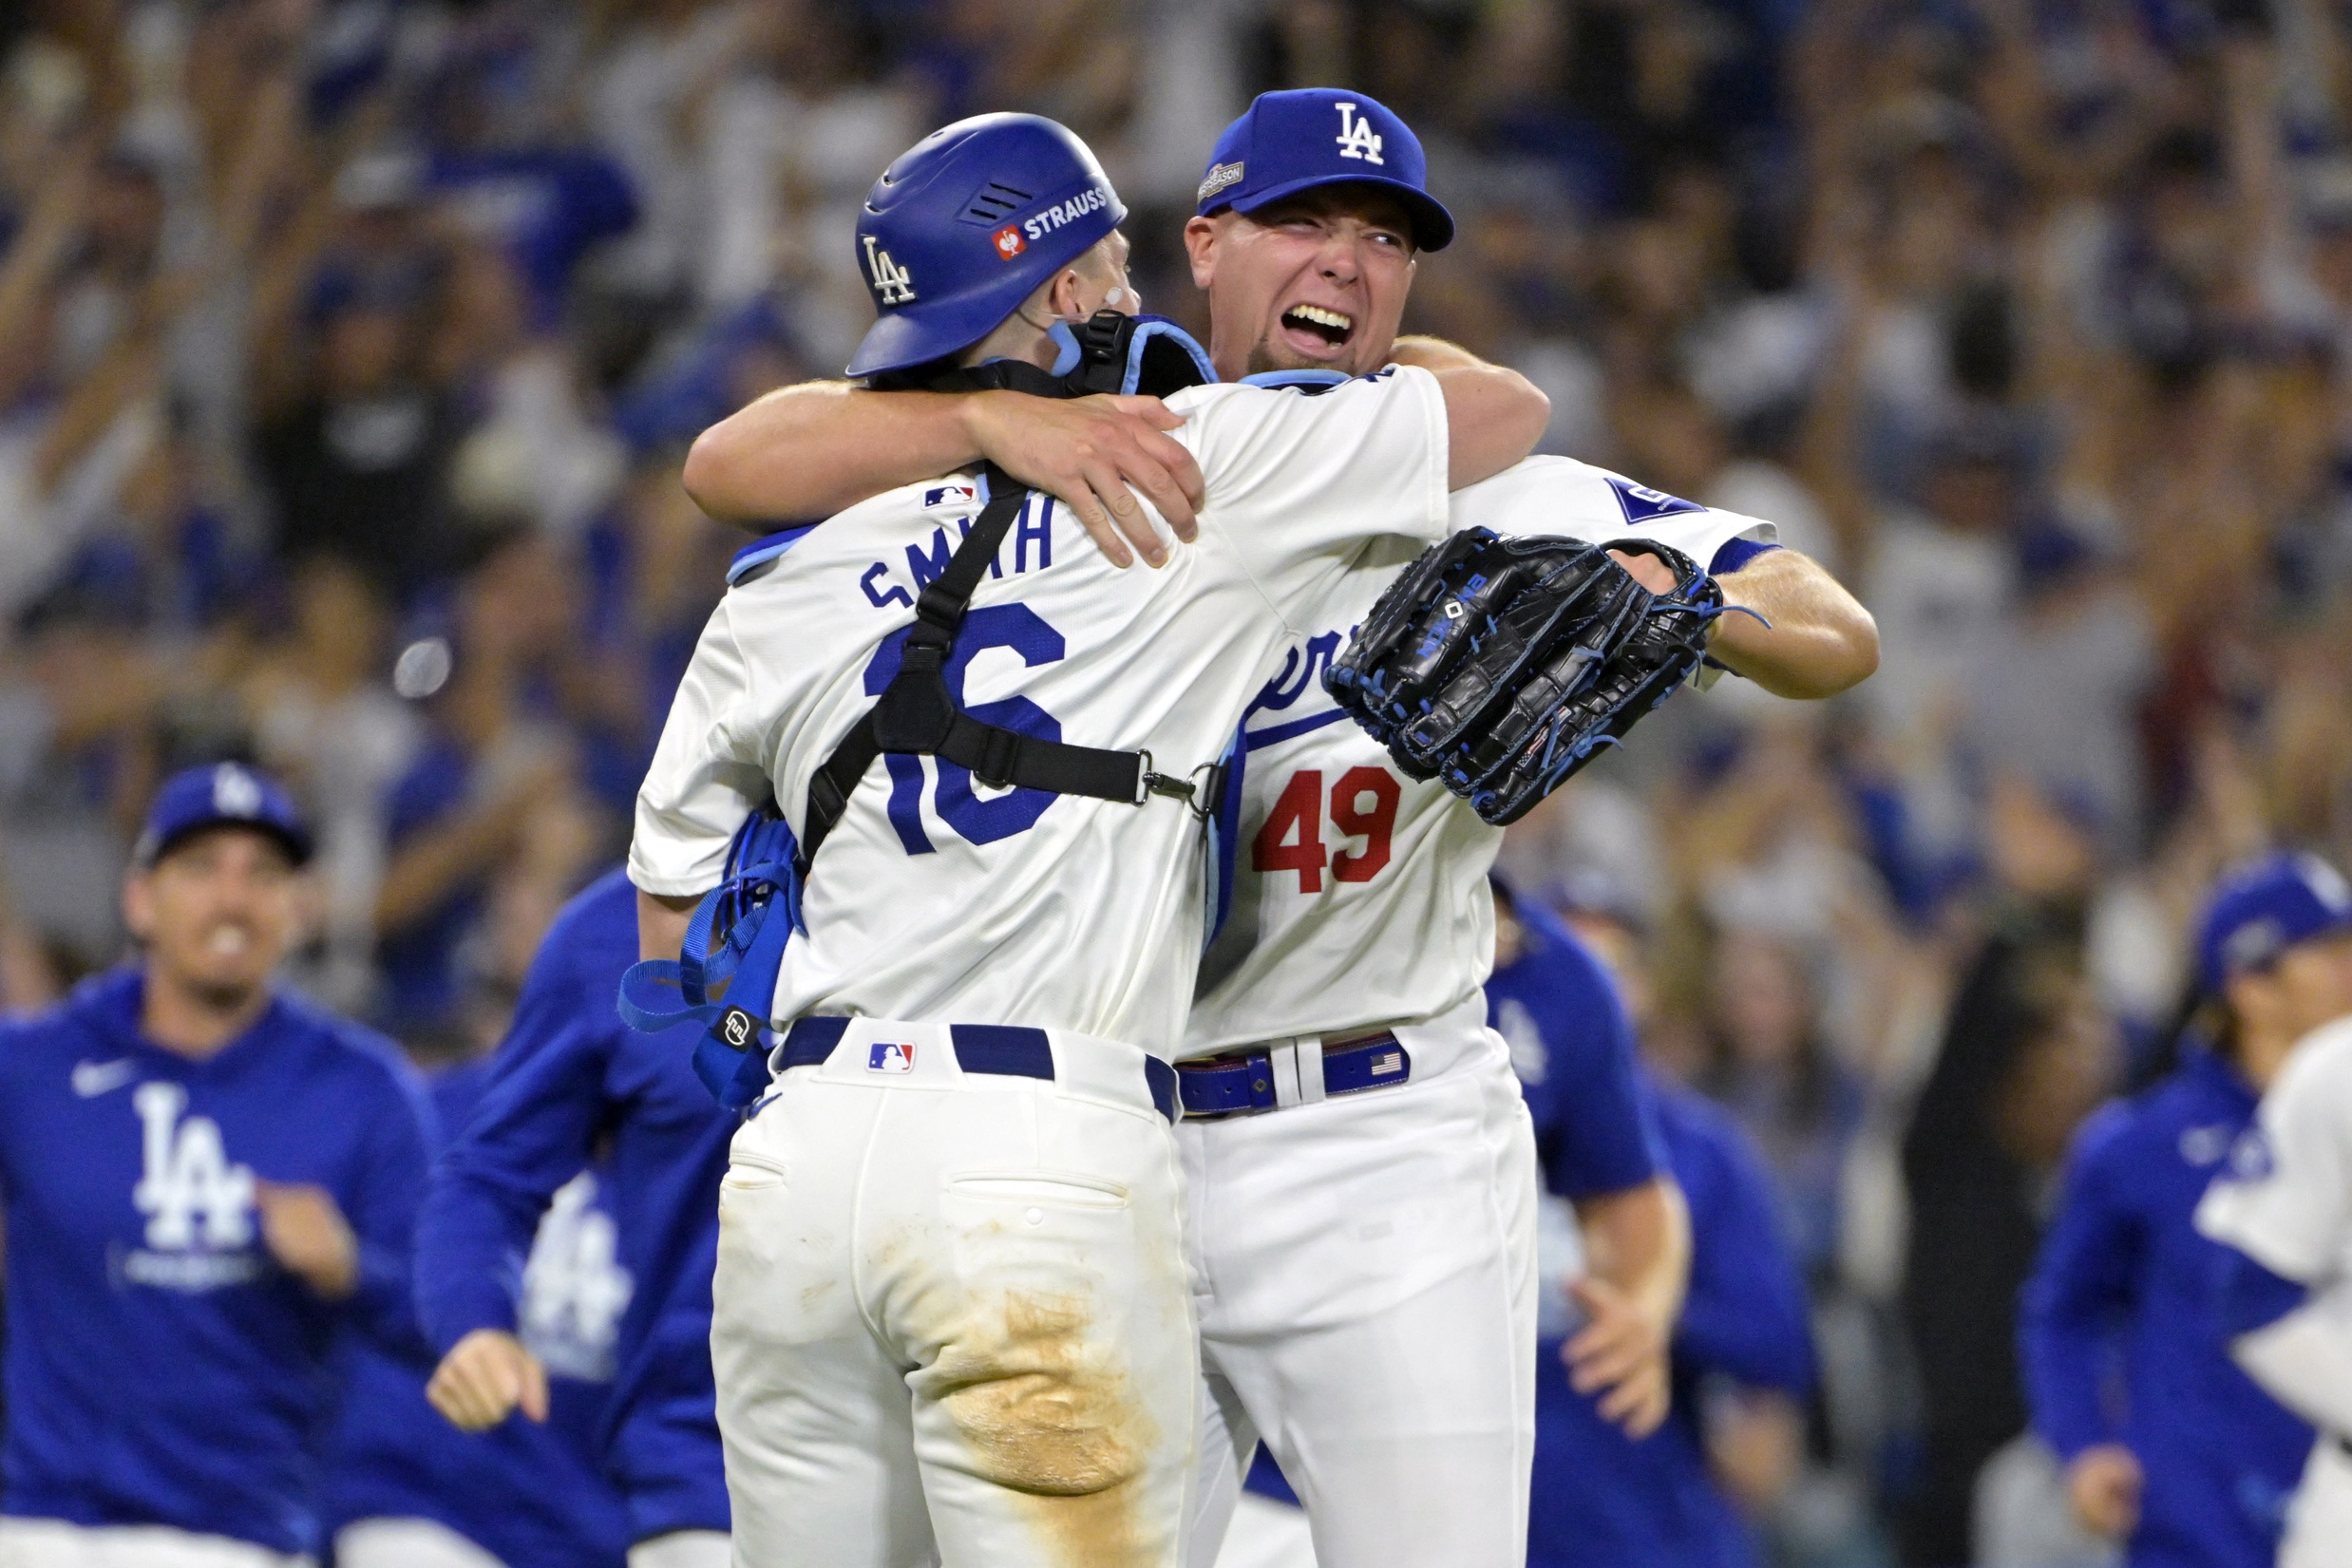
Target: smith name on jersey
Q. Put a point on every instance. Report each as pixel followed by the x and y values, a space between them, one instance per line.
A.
pixel 1360 897
pixel 939 899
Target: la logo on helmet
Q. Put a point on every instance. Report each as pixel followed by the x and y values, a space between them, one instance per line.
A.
pixel 1357 137
pixel 893 285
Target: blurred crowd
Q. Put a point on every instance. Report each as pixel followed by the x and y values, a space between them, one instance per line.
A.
pixel 349 349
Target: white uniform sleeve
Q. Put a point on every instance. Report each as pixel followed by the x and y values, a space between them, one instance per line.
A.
pixel 1556 494
pixel 2285 1197
pixel 705 777
pixel 1299 482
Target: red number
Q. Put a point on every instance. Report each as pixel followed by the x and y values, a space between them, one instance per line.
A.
pixel 1293 837
pixel 1374 827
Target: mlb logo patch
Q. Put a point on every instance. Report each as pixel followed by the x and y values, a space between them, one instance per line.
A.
pixel 951 495
pixel 1640 503
pixel 1009 242
pixel 890 1057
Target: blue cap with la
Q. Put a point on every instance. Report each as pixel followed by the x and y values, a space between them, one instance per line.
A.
pixel 2261 911
pixel 222 795
pixel 1290 142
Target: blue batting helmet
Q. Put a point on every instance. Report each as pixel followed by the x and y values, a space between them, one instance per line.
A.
pixel 965 225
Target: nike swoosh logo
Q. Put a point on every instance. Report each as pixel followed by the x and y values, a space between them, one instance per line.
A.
pixel 92 1079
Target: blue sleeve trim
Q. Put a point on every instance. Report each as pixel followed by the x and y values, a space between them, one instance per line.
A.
pixel 761 551
pixel 2252 1298
pixel 1309 382
pixel 1736 553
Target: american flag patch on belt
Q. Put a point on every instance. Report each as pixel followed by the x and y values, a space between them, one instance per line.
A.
pixel 1388 1062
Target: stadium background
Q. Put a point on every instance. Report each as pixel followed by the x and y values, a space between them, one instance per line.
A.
pixel 348 350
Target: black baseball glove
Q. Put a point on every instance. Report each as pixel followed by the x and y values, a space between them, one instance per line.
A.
pixel 1500 665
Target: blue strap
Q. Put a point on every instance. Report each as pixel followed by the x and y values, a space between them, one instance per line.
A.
pixel 725 974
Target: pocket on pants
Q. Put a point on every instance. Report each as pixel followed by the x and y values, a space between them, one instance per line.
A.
pixel 1059 1189
pixel 748 1171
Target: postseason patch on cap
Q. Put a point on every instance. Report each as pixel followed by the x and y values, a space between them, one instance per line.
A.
pixel 1218 177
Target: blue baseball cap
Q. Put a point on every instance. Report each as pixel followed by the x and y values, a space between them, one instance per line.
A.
pixel 2261 911
pixel 1290 142
pixel 966 224
pixel 221 795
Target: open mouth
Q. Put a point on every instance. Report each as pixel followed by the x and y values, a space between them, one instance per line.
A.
pixel 1314 321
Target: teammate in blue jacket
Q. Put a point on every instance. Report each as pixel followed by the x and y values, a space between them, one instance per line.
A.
pixel 570 1080
pixel 2194 1462
pixel 1602 1498
pixel 407 1489
pixel 204 1180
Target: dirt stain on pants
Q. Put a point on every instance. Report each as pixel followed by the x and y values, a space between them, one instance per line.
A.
pixel 1045 1418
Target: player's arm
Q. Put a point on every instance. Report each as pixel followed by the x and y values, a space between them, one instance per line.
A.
pixel 1494 416
pixel 662 922
pixel 358 1251
pixel 808 452
pixel 1820 640
pixel 2083 1286
pixel 535 1127
pixel 1637 1246
pixel 704 783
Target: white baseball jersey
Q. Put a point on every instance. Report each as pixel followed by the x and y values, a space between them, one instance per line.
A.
pixel 937 899
pixel 1359 896
pixel 2285 1198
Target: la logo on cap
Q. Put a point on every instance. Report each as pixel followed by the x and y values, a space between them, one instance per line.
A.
pixel 236 793
pixel 1357 137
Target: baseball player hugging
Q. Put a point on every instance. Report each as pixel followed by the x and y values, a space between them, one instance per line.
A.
pixel 952 1312
pixel 1359 1179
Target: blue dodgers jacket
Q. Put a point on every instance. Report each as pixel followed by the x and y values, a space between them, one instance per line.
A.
pixel 532 1496
pixel 161 1367
pixel 1600 1498
pixel 2121 1336
pixel 570 1081
pixel 1572 1047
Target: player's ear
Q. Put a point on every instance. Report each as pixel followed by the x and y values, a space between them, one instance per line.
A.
pixel 139 905
pixel 1201 248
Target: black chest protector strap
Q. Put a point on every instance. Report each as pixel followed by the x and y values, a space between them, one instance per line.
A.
pixel 917 716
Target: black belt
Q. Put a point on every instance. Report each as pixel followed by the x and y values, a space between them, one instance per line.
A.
pixel 1235 1085
pixel 1003 1050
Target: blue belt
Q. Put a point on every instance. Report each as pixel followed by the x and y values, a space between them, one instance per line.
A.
pixel 1232 1085
pixel 1006 1052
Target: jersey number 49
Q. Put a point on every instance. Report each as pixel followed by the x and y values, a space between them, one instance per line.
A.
pixel 1362 805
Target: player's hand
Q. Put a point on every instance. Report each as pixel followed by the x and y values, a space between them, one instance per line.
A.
pixel 1092 454
pixel 2104 1485
pixel 306 1234
pixel 1645 568
pixel 1621 1355
pixel 485 1378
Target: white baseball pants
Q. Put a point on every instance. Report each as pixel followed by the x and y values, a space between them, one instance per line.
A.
pixel 683 1549
pixel 951 1313
pixel 1366 1270
pixel 54 1543
pixel 406 1543
pixel 2319 1520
